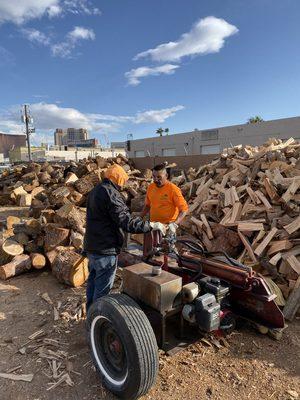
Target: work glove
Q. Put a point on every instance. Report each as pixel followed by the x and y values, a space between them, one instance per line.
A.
pixel 172 228
pixel 158 226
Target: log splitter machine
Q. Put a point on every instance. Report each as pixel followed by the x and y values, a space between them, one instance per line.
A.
pixel 177 291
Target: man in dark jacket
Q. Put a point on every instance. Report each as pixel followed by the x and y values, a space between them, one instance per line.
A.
pixel 107 217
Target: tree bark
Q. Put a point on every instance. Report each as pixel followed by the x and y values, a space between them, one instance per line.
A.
pixel 55 236
pixel 17 266
pixel 70 268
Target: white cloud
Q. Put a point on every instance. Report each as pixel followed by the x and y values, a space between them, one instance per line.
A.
pixel 21 11
pixel 206 36
pixel 54 11
pixel 81 7
pixel 156 116
pixel 48 117
pixel 35 36
pixel 81 33
pixel 134 76
pixel 65 48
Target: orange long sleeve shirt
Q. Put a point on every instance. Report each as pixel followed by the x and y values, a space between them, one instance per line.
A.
pixel 165 202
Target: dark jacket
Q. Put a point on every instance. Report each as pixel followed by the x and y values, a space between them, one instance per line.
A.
pixel 106 217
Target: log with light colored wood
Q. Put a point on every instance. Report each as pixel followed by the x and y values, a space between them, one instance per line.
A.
pixel 11 220
pixel 72 216
pixel 263 199
pixel 293 226
pixel 8 249
pixel 55 236
pixel 294 263
pixel 207 226
pixel 76 239
pixel 71 178
pixel 261 247
pixel 247 246
pixel 70 268
pixel 293 302
pixel 38 261
pixel 279 245
pixel 18 265
pixel 250 226
pixel 25 200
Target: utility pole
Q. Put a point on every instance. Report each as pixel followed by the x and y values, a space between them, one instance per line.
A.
pixel 27 119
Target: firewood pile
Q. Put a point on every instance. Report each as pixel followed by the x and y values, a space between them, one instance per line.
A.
pixel 247 204
pixel 56 195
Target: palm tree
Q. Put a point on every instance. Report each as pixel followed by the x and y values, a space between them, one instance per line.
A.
pixel 255 120
pixel 160 131
pixel 167 131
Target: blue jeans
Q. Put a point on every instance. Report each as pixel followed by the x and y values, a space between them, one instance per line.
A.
pixel 102 271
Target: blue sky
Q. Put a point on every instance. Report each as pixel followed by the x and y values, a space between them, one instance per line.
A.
pixel 131 66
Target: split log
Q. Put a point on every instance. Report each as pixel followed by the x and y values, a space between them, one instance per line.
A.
pixel 29 178
pixel 44 177
pixel 293 302
pixel 70 268
pixel 71 217
pixel 48 215
pixel 25 200
pixel 19 264
pixel 76 240
pixel 293 226
pixel 32 227
pixel 38 261
pixel 71 178
pixel 83 185
pixel 55 236
pixel 261 247
pixel 36 191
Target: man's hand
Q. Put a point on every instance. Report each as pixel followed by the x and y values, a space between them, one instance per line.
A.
pixel 158 226
pixel 173 228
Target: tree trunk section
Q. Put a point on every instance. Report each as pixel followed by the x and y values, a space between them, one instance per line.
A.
pixel 9 249
pixel 38 261
pixel 70 268
pixel 17 266
pixel 55 236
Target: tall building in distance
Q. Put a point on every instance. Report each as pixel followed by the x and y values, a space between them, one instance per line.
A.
pixel 72 137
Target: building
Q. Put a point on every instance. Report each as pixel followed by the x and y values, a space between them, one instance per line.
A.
pixel 21 154
pixel 70 136
pixel 8 141
pixel 213 141
pixel 118 145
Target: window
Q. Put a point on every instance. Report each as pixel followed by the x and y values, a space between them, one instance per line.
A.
pixel 212 134
pixel 210 149
pixel 168 152
pixel 139 153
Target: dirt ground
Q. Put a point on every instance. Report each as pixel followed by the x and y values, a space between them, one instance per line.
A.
pixel 252 366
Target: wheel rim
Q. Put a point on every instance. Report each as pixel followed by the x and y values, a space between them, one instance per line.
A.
pixel 108 351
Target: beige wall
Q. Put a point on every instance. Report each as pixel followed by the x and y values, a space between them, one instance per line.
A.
pixel 190 143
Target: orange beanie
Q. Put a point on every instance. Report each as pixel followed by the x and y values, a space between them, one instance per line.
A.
pixel 116 174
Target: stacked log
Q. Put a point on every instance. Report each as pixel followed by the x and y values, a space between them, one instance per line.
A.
pixel 246 203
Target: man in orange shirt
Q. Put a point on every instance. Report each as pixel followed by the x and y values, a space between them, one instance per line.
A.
pixel 164 200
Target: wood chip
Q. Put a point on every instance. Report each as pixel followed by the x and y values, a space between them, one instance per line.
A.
pixel 14 377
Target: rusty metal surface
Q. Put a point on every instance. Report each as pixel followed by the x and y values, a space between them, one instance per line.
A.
pixel 158 292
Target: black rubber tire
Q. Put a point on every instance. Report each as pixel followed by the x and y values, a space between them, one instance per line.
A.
pixel 138 341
